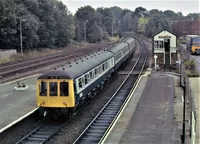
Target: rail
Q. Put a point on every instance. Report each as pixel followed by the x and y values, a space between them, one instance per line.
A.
pixel 100 125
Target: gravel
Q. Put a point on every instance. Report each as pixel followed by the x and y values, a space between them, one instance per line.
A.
pixel 17 132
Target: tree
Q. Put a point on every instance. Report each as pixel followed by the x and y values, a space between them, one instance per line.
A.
pixel 106 19
pixel 193 16
pixel 141 25
pixel 83 14
pixel 95 33
pixel 141 12
pixel 116 12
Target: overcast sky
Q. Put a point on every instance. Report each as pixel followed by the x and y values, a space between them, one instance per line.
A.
pixel 185 6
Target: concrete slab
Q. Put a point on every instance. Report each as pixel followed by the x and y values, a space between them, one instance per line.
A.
pixel 15 104
pixel 116 133
pixel 151 121
pixel 195 84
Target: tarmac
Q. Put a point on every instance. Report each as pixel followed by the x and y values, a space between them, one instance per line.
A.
pixel 16 104
pixel 152 115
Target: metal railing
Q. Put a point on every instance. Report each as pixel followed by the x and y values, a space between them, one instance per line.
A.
pixel 188 98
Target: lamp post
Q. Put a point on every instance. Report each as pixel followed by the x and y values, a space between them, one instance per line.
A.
pixel 20 24
pixel 112 27
pixel 85 30
pixel 118 25
pixel 155 57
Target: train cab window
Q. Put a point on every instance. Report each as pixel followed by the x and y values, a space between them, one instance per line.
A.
pixel 64 89
pixel 43 88
pixel 80 83
pixel 53 89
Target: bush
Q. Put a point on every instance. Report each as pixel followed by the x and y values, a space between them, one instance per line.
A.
pixel 190 65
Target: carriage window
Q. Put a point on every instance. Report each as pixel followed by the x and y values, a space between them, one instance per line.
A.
pixel 43 88
pixel 103 67
pixel 95 72
pixel 64 89
pixel 53 87
pixel 80 83
pixel 100 69
pixel 86 80
pixel 91 76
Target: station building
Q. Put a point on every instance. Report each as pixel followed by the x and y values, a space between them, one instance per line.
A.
pixel 165 47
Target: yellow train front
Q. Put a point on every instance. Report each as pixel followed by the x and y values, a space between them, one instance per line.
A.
pixel 65 88
pixel 55 92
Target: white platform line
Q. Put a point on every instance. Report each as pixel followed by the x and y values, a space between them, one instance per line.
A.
pixel 124 107
pixel 10 82
pixel 18 120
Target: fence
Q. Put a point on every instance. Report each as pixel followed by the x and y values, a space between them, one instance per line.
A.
pixel 6 54
pixel 189 97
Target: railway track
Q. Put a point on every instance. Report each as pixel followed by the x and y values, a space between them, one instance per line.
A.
pixel 41 134
pixel 97 129
pixel 45 131
pixel 12 69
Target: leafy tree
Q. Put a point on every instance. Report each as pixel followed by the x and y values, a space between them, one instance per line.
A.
pixel 95 33
pixel 116 12
pixel 193 16
pixel 86 15
pixel 141 12
pixel 141 24
pixel 106 18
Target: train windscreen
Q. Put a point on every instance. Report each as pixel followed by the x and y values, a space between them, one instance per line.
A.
pixel 64 89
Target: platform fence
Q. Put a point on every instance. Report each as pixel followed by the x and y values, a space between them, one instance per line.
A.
pixel 190 104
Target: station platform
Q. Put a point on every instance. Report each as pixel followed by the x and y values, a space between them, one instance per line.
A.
pixel 149 117
pixel 15 104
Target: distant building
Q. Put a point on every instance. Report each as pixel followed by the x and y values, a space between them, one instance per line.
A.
pixel 186 27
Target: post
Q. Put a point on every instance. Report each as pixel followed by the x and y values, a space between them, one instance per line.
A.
pixel 112 28
pixel 118 26
pixel 20 25
pixel 155 57
pixel 183 129
pixel 85 30
pixel 180 71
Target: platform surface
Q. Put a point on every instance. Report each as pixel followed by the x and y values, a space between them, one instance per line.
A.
pixel 152 121
pixel 15 104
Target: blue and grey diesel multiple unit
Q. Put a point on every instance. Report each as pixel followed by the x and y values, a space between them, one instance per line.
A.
pixel 68 86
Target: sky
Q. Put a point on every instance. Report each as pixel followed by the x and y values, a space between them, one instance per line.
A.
pixel 184 6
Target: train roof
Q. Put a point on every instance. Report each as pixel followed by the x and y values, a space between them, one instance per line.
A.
pixel 118 47
pixel 77 68
pixel 130 40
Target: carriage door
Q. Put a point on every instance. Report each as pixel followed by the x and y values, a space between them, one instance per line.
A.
pixel 167 53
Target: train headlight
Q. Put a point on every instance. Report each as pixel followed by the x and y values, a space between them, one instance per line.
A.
pixel 42 103
pixel 65 104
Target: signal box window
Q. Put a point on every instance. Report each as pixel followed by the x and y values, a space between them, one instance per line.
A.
pixel 43 89
pixel 64 89
pixel 53 87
